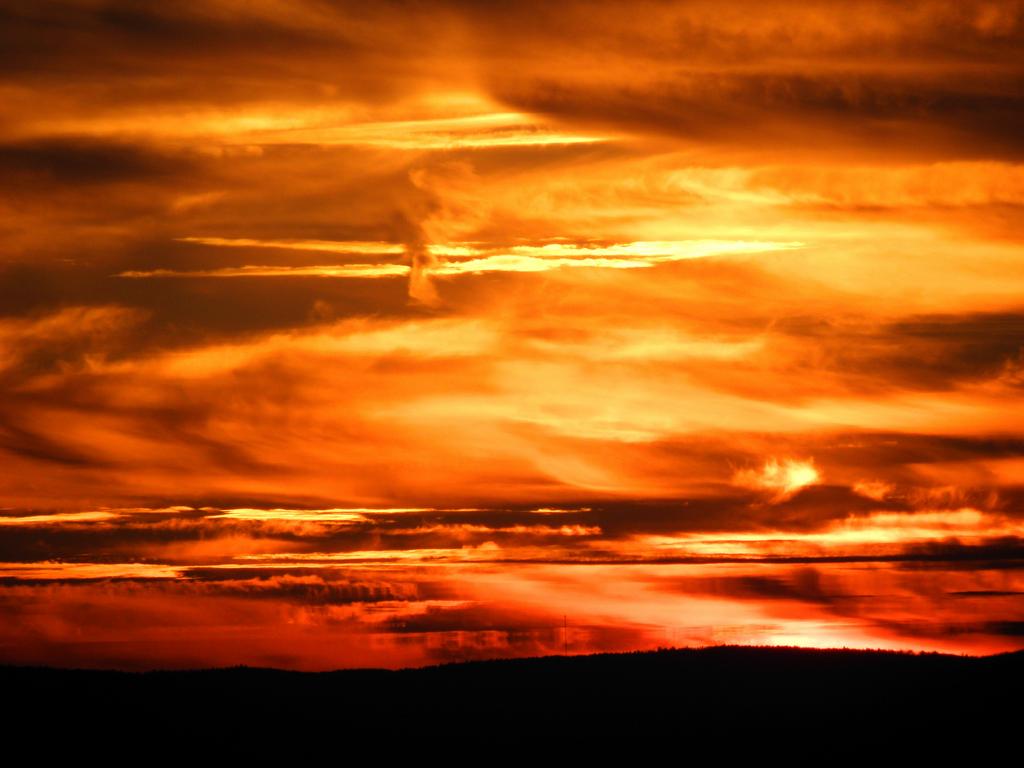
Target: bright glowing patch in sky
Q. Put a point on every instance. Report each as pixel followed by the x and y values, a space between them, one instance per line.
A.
pixel 784 477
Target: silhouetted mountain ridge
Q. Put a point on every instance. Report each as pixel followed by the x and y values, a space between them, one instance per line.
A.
pixel 876 694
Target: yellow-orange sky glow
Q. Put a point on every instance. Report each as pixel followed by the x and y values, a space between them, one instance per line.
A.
pixel 343 334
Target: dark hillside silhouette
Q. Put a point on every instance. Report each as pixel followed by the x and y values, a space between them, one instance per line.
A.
pixel 871 696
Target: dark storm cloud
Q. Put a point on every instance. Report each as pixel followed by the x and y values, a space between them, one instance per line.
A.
pixel 951 348
pixel 319 589
pixel 48 38
pixel 868 449
pixel 1009 628
pixel 803 584
pixel 728 510
pixel 704 75
pixel 1002 553
pixel 129 53
pixel 86 161
pixel 747 31
pixel 188 312
pixel 920 352
pixel 873 114
pixel 753 74
pixel 66 251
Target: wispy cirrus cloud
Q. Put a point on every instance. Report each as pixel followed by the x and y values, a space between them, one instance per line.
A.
pixel 465 259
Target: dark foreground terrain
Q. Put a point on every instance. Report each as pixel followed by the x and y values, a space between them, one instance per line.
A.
pixel 728 695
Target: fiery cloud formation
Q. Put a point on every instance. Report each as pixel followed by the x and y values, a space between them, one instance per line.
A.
pixel 784 478
pixel 338 335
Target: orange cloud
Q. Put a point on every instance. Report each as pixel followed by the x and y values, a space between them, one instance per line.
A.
pixel 783 478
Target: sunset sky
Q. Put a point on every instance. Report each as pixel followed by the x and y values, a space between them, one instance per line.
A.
pixel 341 334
